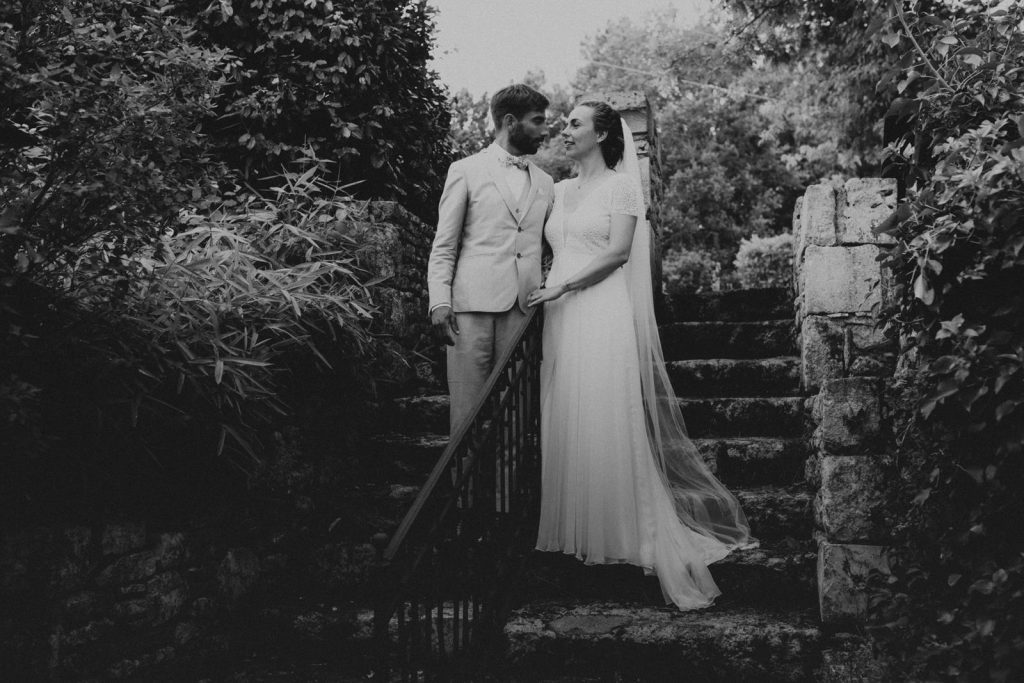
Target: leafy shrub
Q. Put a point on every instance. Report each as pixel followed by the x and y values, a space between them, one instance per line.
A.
pixel 198 354
pixel 765 261
pixel 105 106
pixel 102 104
pixel 348 78
pixel 243 287
pixel 470 120
pixel 153 312
pixel 952 607
pixel 685 272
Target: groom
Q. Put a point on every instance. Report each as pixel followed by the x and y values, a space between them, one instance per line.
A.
pixel 486 256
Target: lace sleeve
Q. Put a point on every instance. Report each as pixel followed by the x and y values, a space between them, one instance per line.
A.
pixel 625 198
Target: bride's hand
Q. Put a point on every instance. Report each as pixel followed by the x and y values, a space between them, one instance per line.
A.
pixel 544 295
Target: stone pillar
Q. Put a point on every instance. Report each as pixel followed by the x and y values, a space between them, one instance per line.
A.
pixel 636 109
pixel 844 359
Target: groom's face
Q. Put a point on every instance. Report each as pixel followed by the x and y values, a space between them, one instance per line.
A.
pixel 528 133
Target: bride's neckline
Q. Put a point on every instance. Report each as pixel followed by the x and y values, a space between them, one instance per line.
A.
pixel 585 191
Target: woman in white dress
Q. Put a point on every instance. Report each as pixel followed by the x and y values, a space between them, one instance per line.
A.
pixel 621 481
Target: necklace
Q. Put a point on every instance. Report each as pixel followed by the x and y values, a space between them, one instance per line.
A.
pixel 581 183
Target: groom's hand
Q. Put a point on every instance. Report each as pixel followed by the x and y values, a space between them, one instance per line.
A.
pixel 446 327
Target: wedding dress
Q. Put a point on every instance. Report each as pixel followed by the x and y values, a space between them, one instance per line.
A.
pixel 620 480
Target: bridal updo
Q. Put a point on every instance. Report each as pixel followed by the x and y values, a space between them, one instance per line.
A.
pixel 607 120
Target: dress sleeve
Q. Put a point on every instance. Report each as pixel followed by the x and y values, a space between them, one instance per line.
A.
pixel 626 198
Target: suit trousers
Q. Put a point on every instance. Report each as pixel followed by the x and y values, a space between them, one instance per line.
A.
pixel 482 339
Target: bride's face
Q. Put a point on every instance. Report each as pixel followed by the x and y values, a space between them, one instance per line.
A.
pixel 579 136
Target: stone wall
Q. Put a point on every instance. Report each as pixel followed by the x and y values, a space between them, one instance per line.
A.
pixel 113 602
pixel 844 361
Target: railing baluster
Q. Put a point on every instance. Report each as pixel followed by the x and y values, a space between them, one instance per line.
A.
pixel 456 545
pixel 403 643
pixel 414 634
pixel 502 460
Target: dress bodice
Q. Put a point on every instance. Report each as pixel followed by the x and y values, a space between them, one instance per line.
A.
pixel 587 227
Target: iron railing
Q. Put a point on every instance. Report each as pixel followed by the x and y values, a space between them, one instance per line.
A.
pixel 442 581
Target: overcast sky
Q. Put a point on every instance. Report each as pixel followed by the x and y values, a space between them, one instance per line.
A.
pixel 483 45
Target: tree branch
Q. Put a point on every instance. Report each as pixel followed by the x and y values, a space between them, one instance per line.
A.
pixel 924 56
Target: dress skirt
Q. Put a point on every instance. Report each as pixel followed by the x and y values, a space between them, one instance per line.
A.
pixel 603 498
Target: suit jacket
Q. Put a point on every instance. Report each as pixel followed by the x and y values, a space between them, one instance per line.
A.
pixel 486 254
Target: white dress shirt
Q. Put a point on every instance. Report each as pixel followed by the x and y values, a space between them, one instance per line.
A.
pixel 515 177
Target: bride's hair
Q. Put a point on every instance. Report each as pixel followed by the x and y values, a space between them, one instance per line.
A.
pixel 607 120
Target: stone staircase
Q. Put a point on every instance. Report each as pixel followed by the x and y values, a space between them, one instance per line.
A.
pixel 733 360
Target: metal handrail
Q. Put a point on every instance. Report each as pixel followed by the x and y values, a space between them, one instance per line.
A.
pixel 442 577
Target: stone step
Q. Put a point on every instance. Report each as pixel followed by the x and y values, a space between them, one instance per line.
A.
pixel 735 377
pixel 742 305
pixel 555 641
pixel 763 339
pixel 745 461
pixel 778 512
pixel 300 642
pixel 407 457
pixel 780 572
pixel 774 512
pixel 781 416
pixel 339 564
pixel 737 461
pixel 417 414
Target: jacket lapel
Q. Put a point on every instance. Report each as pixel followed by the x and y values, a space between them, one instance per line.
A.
pixel 503 189
pixel 532 195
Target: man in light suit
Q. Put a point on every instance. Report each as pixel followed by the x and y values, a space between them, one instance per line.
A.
pixel 486 256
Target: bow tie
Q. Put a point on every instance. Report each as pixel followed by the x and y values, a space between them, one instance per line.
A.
pixel 509 160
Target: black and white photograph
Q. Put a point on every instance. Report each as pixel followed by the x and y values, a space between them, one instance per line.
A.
pixel 480 341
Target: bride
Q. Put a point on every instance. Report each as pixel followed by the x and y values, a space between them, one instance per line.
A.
pixel 621 481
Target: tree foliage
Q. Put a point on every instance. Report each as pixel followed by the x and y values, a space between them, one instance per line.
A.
pixel 739 137
pixel 155 304
pixel 634 54
pixel 952 608
pixel 470 123
pixel 734 157
pixel 724 180
pixel 103 109
pixel 348 79
pixel 765 261
pixel 946 80
pixel 689 272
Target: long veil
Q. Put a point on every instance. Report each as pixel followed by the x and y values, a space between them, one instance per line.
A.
pixel 701 501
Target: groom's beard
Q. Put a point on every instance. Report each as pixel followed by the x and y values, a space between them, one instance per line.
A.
pixel 521 141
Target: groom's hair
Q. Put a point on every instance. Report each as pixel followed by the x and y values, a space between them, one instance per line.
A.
pixel 518 100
